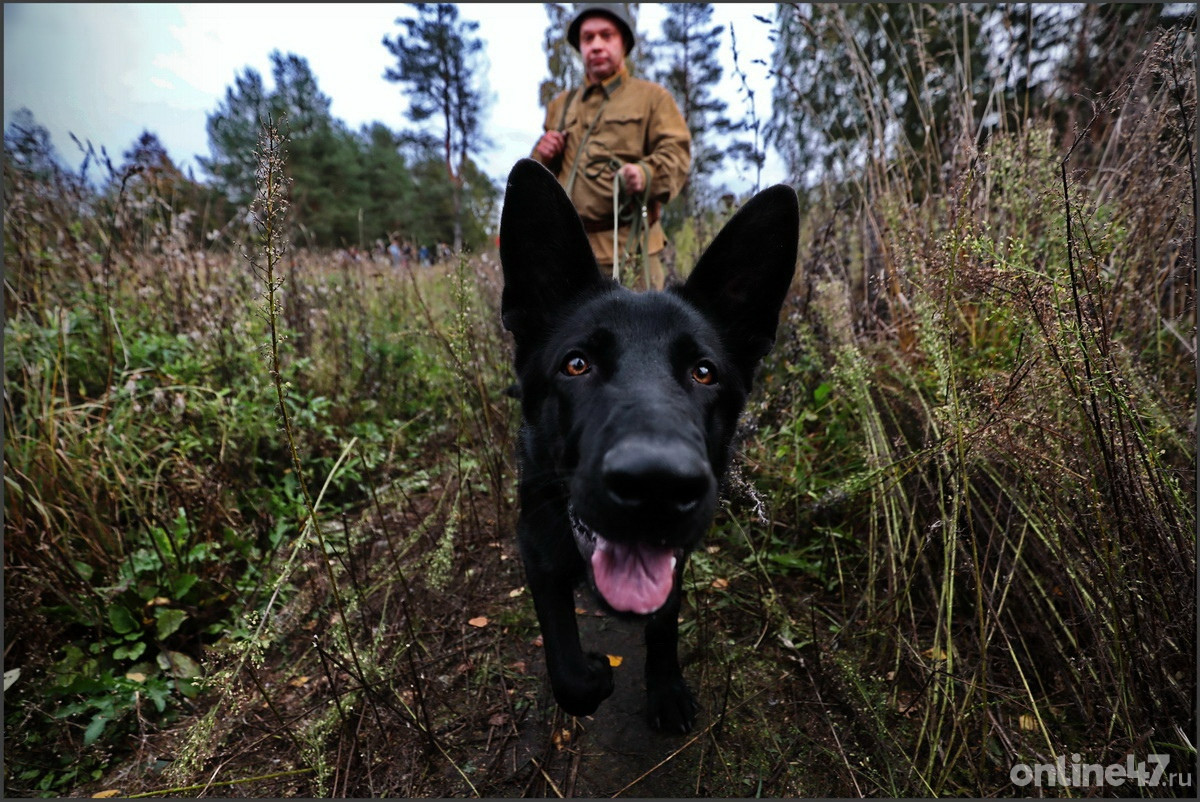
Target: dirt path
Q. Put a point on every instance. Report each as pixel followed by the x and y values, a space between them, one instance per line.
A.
pixel 614 752
pixel 498 732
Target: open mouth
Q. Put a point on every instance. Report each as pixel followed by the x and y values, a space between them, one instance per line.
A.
pixel 631 577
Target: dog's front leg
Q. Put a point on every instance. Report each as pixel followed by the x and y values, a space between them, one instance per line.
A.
pixel 580 681
pixel 670 704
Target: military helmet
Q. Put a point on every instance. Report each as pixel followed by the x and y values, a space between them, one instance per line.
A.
pixel 615 11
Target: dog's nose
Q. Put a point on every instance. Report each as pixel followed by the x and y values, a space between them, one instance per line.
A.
pixel 649 475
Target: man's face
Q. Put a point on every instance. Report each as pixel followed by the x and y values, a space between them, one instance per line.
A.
pixel 602 47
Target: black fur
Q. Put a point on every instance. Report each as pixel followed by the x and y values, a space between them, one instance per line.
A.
pixel 629 404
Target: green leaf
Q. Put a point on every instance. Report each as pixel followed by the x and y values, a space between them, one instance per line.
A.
pixel 797 561
pixel 121 619
pixel 145 561
pixel 169 620
pixel 822 392
pixel 182 585
pixel 94 729
pixel 179 664
pixel 131 651
pixel 158 695
pixel 203 552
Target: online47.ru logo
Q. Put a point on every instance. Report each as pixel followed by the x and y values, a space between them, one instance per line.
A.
pixel 1149 773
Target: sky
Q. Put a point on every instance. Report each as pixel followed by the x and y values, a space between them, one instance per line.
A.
pixel 106 72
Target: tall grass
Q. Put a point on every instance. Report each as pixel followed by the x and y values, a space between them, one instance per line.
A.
pixel 180 424
pixel 1014 360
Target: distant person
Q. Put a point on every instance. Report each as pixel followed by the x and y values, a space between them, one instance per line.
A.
pixel 616 125
pixel 395 253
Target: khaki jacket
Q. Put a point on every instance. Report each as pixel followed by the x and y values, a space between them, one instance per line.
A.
pixel 639 122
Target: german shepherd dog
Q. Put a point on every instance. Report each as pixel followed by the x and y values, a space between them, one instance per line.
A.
pixel 629 404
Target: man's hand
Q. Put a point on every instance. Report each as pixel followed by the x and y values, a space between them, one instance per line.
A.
pixel 551 144
pixel 633 179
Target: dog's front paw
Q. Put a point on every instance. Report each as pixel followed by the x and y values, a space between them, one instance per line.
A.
pixel 581 691
pixel 672 706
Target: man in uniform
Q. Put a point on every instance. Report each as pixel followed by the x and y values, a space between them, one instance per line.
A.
pixel 616 133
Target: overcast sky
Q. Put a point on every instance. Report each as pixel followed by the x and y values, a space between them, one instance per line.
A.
pixel 106 72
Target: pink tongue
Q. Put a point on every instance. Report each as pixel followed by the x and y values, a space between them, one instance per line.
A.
pixel 633 578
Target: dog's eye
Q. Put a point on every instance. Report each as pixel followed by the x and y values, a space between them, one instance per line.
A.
pixel 576 365
pixel 704 373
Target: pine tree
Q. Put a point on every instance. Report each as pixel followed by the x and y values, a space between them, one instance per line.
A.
pixel 689 46
pixel 842 69
pixel 390 189
pixel 563 64
pixel 28 147
pixel 233 136
pixel 913 60
pixel 172 200
pixel 1068 56
pixel 323 157
pixel 328 188
pixel 439 61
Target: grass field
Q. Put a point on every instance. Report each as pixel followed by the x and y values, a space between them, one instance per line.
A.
pixel 260 502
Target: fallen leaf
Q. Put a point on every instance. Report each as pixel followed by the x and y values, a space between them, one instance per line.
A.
pixel 935 654
pixel 561 739
pixel 512 594
pixel 615 660
pixel 720 584
pixel 1027 722
pixel 907 703
pixel 481 622
pixel 11 676
pixel 136 676
pixel 498 720
pixel 179 664
pixel 109 794
pixel 538 642
pixel 298 682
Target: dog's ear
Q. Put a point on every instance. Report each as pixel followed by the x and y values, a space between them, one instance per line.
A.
pixel 544 250
pixel 741 280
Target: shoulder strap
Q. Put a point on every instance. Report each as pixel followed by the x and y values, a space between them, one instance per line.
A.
pixel 566 106
pixel 582 142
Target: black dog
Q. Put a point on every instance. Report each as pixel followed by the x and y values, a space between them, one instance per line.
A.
pixel 629 404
